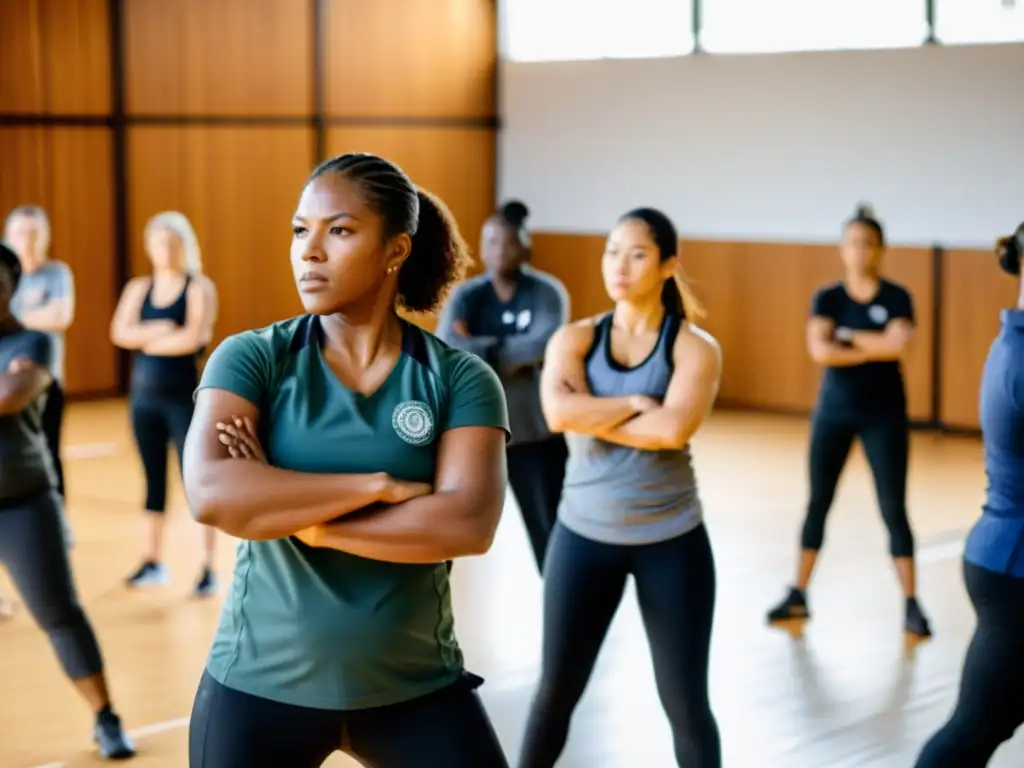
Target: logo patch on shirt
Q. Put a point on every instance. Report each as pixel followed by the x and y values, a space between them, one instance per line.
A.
pixel 413 422
pixel 878 314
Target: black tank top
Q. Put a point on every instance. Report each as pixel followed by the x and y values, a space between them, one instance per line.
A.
pixel 166 373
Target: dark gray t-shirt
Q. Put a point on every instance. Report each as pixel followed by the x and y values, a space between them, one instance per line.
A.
pixel 25 464
pixel 511 337
pixel 52 281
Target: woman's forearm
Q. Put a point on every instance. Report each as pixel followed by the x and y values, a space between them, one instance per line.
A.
pixel 180 342
pixel 428 529
pixel 879 345
pixel 587 414
pixel 251 500
pixel 833 355
pixel 137 335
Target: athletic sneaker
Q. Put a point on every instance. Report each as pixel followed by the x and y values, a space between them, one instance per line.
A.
pixel 207 584
pixel 149 574
pixel 793 607
pixel 111 740
pixel 916 623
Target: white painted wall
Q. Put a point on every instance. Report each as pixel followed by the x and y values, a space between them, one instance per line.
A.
pixel 778 147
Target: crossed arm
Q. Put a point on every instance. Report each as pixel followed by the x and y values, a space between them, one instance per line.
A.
pixel 57 314
pixel 511 353
pixel 349 512
pixel 163 337
pixel 866 346
pixel 634 421
pixel 21 384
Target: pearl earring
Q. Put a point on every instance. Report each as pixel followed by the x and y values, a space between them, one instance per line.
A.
pixel 390 270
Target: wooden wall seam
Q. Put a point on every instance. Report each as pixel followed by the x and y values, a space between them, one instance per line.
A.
pixel 189 93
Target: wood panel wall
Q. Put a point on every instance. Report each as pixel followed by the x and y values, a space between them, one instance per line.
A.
pixel 114 110
pixel 758 296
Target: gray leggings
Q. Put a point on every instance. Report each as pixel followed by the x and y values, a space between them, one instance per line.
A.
pixel 33 551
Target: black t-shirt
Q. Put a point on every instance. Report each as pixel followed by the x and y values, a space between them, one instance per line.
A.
pixel 869 389
pixel 25 464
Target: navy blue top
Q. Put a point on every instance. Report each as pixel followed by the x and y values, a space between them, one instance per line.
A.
pixel 996 542
pixel 173 373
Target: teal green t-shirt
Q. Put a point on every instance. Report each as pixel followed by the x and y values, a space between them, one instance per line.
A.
pixel 316 627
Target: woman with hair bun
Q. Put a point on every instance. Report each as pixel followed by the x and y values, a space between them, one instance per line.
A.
pixel 507 316
pixel 630 388
pixel 990 706
pixel 858 331
pixel 166 320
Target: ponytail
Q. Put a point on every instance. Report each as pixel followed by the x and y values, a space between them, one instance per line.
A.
pixel 438 258
pixel 678 298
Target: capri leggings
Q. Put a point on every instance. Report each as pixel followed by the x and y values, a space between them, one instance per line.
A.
pixel 583 585
pixel 886 442
pixel 449 729
pixel 991 702
pixel 32 549
pixel 159 417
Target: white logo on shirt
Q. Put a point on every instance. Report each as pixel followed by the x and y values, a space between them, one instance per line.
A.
pixel 523 319
pixel 413 422
pixel 508 317
pixel 878 314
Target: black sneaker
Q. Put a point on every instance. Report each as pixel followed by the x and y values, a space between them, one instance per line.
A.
pixel 916 623
pixel 111 740
pixel 793 607
pixel 149 574
pixel 207 584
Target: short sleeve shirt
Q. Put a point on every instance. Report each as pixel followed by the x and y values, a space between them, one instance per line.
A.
pixel 870 389
pixel 317 627
pixel 53 280
pixel 26 467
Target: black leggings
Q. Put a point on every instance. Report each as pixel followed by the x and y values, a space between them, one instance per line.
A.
pixel 159 418
pixel 583 585
pixel 536 472
pixel 991 703
pixel 53 421
pixel 32 549
pixel 886 444
pixel 449 728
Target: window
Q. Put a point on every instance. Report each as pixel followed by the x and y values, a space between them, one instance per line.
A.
pixel 979 21
pixel 775 26
pixel 565 30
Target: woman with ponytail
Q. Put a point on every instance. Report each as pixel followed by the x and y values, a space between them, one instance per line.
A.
pixel 629 389
pixel 507 316
pixel 355 456
pixel 858 332
pixel 991 702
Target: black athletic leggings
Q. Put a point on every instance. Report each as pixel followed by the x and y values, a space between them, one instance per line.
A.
pixel 991 703
pixel 583 585
pixel 536 472
pixel 886 442
pixel 32 549
pixel 446 729
pixel 159 417
pixel 53 421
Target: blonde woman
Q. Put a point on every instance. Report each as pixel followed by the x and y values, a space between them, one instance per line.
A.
pixel 166 319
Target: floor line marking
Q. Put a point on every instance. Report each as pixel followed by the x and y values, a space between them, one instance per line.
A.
pixel 140 733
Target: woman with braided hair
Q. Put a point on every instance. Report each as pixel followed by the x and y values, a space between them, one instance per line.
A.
pixel 355 456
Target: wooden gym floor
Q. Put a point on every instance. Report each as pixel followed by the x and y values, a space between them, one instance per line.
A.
pixel 848 694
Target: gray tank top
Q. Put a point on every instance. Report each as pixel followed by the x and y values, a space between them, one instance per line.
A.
pixel 620 495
